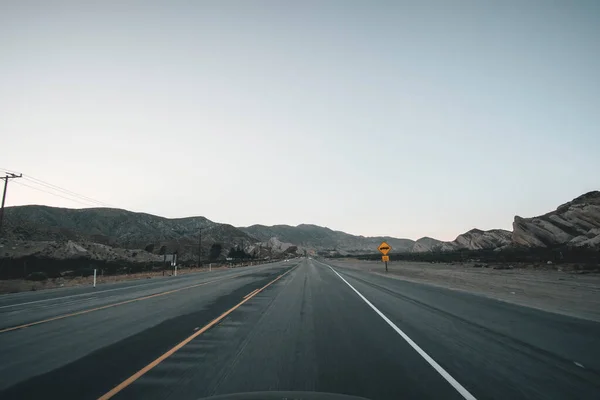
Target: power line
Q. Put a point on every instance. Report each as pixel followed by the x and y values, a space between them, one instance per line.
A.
pixel 54 194
pixel 67 192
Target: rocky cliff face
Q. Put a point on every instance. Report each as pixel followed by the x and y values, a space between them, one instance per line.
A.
pixel 576 223
pixel 476 239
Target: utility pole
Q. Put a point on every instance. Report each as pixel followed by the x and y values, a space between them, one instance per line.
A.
pixel 6 178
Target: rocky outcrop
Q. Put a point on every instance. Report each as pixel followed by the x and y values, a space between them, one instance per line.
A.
pixel 576 223
pixel 271 247
pixel 427 244
pixel 476 239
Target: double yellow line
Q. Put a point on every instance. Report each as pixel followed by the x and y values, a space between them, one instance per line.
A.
pixel 14 328
pixel 169 353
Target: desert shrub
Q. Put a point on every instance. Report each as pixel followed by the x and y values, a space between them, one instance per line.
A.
pixel 215 251
pixel 37 276
pixel 86 272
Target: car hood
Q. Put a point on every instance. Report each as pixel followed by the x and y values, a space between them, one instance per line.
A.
pixel 284 396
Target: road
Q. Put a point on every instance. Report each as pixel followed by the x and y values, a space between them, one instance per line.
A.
pixel 302 325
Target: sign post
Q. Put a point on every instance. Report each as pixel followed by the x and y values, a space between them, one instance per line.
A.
pixel 384 249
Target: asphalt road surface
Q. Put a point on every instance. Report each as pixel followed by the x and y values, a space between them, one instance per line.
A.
pixel 300 325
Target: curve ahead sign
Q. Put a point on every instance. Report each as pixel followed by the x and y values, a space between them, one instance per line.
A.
pixel 384 248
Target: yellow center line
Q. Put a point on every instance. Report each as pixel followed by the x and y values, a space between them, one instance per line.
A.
pixel 13 328
pixel 251 293
pixel 169 353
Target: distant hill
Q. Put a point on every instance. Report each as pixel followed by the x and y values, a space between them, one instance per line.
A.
pixel 427 244
pixel 327 241
pixel 119 228
pixel 324 240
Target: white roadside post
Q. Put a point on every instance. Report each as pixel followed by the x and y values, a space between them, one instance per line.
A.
pixel 176 270
pixel 94 277
pixel 209 267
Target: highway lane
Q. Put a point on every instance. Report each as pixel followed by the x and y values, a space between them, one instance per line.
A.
pixel 25 298
pixel 49 346
pixel 28 307
pixel 308 330
pixel 497 349
pixel 35 297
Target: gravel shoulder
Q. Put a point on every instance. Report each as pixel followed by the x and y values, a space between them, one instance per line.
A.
pixel 563 292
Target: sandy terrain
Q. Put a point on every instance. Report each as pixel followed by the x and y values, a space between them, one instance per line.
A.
pixel 553 289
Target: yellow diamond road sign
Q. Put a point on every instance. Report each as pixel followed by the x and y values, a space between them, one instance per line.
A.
pixel 384 248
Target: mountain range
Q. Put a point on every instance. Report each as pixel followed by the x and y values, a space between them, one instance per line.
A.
pixel 318 238
pixel 51 231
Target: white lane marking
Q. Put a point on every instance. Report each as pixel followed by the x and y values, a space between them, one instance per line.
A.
pixel 459 388
pixel 579 365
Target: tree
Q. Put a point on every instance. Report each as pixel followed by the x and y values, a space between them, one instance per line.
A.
pixel 163 250
pixel 149 248
pixel 215 251
pixel 237 253
pixel 291 250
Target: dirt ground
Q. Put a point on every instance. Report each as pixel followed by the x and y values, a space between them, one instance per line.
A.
pixel 556 289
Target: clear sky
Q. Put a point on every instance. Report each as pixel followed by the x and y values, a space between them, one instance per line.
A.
pixel 403 118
